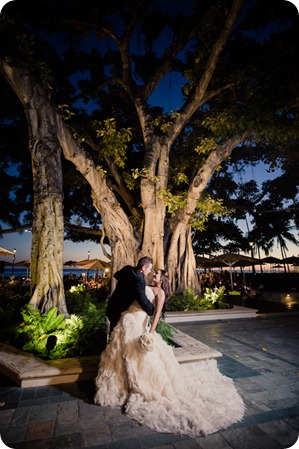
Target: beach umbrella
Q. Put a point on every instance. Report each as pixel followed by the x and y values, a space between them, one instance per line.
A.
pixel 6 252
pixel 70 263
pixel 200 260
pixel 278 266
pixel 232 260
pixel 271 259
pixel 291 260
pixel 93 264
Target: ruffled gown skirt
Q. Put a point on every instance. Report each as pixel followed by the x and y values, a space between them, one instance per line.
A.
pixel 157 391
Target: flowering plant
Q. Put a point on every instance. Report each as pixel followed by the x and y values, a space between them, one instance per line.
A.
pixel 214 298
pixel 146 341
pixel 213 295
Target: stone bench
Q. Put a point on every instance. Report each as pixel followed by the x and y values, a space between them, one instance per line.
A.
pixel 26 370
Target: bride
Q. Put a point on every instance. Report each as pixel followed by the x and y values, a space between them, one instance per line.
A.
pixel 138 371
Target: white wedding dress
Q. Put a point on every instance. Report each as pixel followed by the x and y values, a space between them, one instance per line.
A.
pixel 155 390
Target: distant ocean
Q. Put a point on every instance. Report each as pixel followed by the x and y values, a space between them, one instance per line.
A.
pixel 23 272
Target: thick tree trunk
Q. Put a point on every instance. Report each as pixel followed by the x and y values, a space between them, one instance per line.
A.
pixel 152 204
pixel 181 258
pixel 47 230
pixel 181 261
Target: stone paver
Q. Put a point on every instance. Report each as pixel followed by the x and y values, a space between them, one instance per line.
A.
pixel 260 354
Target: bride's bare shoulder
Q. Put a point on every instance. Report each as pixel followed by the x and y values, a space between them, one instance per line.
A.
pixel 158 291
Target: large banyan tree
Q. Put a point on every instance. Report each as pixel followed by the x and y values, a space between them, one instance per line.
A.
pixel 88 75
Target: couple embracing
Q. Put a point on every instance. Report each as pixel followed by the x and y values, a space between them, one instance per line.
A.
pixel 131 285
pixel 138 370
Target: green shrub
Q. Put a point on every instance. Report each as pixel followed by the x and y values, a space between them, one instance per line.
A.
pixel 165 330
pixel 90 305
pixel 211 299
pixel 54 336
pixel 35 329
pixel 84 333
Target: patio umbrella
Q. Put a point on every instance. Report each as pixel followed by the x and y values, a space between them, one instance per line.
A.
pixel 70 263
pixel 232 260
pixel 271 259
pixel 92 264
pixel 6 252
pixel 291 260
pixel 200 260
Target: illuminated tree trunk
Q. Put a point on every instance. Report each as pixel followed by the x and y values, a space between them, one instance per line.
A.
pixel 181 261
pixel 47 288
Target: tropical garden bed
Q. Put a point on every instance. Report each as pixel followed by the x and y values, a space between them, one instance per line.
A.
pixel 83 333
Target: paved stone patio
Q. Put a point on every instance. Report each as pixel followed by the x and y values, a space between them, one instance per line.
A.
pixel 261 355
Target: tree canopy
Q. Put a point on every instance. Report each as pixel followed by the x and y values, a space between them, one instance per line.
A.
pixel 151 177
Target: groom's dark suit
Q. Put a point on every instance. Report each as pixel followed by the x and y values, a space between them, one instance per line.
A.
pixel 130 287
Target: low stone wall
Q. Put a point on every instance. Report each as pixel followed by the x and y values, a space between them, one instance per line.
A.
pixel 27 371
pixel 235 313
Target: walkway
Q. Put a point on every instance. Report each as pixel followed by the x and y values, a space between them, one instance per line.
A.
pixel 261 355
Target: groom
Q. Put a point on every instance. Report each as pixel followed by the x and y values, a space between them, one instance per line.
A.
pixel 130 287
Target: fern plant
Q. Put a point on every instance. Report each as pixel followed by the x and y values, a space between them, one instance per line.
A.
pixel 36 329
pixel 165 330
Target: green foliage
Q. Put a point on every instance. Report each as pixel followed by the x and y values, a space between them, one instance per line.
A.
pixel 65 111
pixel 143 173
pixel 90 305
pixel 83 333
pixel 211 299
pixel 165 330
pixel 234 293
pixel 188 301
pixel 206 146
pixel 214 298
pixel 165 122
pixel 114 143
pixel 173 202
pixel 35 329
pixel 207 206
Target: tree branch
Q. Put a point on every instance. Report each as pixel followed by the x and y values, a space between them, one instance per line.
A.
pixel 197 99
pixel 120 186
pixel 204 174
pixel 77 228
